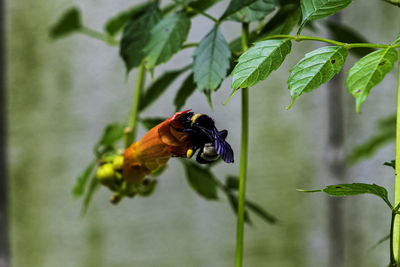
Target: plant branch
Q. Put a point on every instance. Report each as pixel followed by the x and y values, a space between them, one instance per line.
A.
pixel 243 159
pixel 299 38
pixel 130 131
pixel 395 238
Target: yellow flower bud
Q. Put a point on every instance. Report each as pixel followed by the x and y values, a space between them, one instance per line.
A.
pixel 105 174
pixel 117 162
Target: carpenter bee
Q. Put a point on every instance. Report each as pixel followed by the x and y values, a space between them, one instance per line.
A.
pixel 206 138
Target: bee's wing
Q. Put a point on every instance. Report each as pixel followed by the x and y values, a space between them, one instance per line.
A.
pixel 222 147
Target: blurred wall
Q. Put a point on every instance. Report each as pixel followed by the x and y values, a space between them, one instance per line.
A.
pixel 61 94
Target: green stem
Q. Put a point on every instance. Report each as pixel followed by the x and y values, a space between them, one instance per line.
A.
pixel 190 9
pixel 396 228
pixel 130 133
pixel 243 160
pixel 189 45
pixel 99 36
pixel 299 38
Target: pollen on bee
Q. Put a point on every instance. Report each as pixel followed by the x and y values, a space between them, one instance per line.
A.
pixel 189 153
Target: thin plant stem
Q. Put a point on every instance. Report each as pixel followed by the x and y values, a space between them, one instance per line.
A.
pixel 130 132
pixel 299 38
pixel 99 36
pixel 396 228
pixel 243 160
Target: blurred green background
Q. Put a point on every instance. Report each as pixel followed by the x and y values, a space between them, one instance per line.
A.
pixel 62 93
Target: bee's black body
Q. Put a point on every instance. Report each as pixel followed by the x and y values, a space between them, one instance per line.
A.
pixel 205 137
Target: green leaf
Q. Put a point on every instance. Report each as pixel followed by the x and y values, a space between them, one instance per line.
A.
pixel 211 60
pixel 233 201
pixel 380 241
pixel 353 189
pixel 149 123
pixel 166 39
pixel 93 186
pixel 260 212
pixel 316 68
pixel 391 163
pixel 116 23
pixel 369 147
pixel 345 34
pixel 68 23
pixel 232 182
pixel 283 22
pixel 368 72
pixel 201 180
pixel 386 132
pixel 112 133
pixel 259 61
pixel 200 6
pixel 185 91
pixel 158 87
pixel 136 35
pixel 317 9
pixel 397 39
pixel 82 179
pixel 255 11
pixel 236 5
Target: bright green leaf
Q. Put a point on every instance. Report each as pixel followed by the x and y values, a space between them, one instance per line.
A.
pixel 158 87
pixel 317 9
pixel 116 23
pixel 236 5
pixel 82 179
pixel 316 68
pixel 345 34
pixel 166 39
pixel 353 189
pixel 68 23
pixel 259 61
pixel 255 11
pixel 283 21
pixel 149 123
pixel 136 35
pixel 185 91
pixel 368 72
pixel 201 180
pixel 211 60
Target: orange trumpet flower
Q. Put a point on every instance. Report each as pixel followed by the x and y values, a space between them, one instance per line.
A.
pixel 165 140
